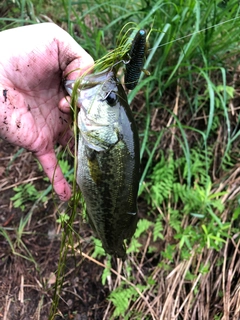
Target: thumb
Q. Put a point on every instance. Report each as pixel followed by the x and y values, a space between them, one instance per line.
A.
pixel 73 59
pixel 53 171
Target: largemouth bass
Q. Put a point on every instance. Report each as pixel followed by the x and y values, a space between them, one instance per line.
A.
pixel 108 159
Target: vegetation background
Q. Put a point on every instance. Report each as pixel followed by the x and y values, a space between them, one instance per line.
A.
pixel 183 262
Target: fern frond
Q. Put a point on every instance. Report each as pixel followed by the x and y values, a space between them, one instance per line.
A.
pixel 158 228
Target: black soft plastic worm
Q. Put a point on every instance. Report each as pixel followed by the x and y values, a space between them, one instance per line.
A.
pixel 135 64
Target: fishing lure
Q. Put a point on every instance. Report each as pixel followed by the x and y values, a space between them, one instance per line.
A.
pixel 135 64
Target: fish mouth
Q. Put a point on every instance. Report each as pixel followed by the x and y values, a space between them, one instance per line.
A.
pixel 93 79
pixel 89 81
pixel 90 86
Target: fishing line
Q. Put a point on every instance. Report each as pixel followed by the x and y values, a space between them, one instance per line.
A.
pixel 191 34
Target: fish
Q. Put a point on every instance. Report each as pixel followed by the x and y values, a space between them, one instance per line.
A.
pixel 108 159
pixel 135 65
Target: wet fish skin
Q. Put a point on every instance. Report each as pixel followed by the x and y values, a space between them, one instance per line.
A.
pixel 108 160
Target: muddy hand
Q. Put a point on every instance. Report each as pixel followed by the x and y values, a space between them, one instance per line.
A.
pixel 33 109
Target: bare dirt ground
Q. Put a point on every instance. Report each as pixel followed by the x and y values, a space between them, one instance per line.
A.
pixel 27 287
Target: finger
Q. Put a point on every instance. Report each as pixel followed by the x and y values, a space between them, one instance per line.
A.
pixel 64 104
pixel 67 140
pixel 78 67
pixel 54 173
pixel 73 59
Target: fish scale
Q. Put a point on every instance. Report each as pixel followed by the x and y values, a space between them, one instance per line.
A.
pixel 108 160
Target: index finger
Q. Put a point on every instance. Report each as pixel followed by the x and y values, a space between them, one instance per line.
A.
pixel 52 169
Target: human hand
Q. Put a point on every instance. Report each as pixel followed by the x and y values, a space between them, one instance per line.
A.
pixel 33 61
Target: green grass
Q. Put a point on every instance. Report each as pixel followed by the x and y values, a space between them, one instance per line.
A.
pixel 189 151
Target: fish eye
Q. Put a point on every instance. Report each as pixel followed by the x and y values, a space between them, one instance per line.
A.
pixel 111 98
